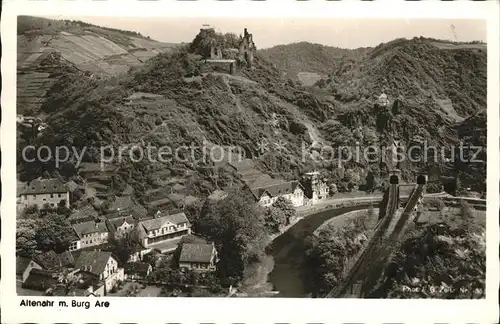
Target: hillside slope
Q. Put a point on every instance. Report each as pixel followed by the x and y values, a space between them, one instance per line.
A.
pixel 176 100
pixel 303 57
pixel 44 44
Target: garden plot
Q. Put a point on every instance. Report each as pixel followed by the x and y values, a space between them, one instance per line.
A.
pixel 31 90
pixel 28 60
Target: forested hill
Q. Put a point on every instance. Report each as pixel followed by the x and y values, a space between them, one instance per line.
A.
pixel 431 90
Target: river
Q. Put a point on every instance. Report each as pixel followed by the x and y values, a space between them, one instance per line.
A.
pixel 287 251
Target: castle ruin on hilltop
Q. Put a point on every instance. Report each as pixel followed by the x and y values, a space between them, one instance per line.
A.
pixel 222 49
pixel 247 48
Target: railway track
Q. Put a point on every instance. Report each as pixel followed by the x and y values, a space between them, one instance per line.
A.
pixel 358 270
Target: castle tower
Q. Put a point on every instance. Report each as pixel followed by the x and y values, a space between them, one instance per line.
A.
pixel 312 186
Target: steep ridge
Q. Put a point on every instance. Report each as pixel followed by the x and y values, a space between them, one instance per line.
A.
pixel 303 57
pixel 44 45
pixel 193 101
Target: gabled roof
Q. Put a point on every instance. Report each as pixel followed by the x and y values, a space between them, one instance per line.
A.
pixel 122 203
pixel 265 181
pixel 89 227
pixel 114 223
pixel 40 280
pixel 52 261
pixel 45 186
pixel 93 261
pixel 85 213
pixel 159 222
pixel 22 264
pixel 243 165
pixel 21 186
pixel 193 252
pixel 276 190
pixel 72 186
pixel 251 176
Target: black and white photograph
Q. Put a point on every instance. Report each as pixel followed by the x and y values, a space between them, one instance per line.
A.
pixel 220 160
pixel 231 160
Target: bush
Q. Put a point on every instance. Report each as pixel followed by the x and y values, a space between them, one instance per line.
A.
pixel 433 187
pixel 437 203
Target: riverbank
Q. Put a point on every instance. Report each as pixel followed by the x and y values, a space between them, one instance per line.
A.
pixel 343 219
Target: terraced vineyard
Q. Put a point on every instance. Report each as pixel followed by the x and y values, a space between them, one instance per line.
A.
pixel 87 49
pixel 31 89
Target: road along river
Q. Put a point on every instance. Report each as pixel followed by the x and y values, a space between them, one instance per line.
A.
pixel 287 251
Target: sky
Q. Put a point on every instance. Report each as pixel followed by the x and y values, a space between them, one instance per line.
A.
pixel 344 33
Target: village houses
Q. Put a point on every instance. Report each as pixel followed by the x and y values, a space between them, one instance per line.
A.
pixel 120 226
pixel 23 268
pixel 267 193
pixel 164 231
pixel 45 193
pixel 314 188
pixel 198 257
pixel 265 189
pixel 88 234
pixel 101 264
pixel 97 271
pixel 137 270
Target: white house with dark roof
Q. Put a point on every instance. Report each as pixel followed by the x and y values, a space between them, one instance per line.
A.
pixel 198 257
pixel 45 192
pixel 164 231
pixel 102 264
pixel 266 193
pixel 120 226
pixel 89 234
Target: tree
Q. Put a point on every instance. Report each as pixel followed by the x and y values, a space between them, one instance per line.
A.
pixel 26 244
pixel 437 203
pixel 371 181
pixel 286 207
pixel 275 218
pixel 68 281
pixel 330 252
pixel 333 189
pixel 443 256
pixel 236 225
pixel 31 212
pixel 124 246
pixel 54 233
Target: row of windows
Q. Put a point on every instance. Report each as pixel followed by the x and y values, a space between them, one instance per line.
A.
pixel 25 197
pixel 167 229
pixel 199 266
